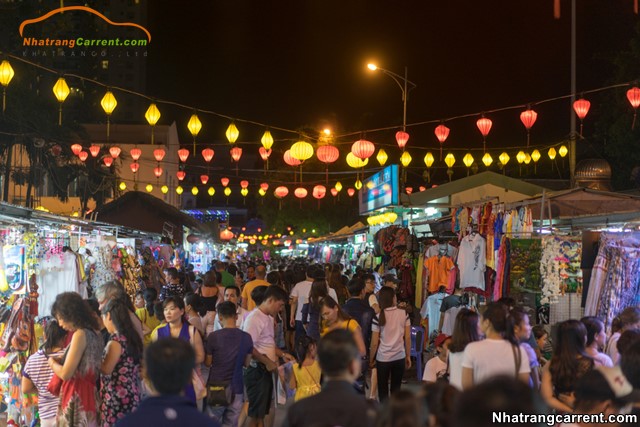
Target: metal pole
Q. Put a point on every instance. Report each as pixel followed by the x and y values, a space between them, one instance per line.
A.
pixel 572 146
pixel 404 101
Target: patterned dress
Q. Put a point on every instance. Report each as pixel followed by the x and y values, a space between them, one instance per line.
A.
pixel 120 391
pixel 78 394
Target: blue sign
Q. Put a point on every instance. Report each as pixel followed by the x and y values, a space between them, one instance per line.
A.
pixel 380 190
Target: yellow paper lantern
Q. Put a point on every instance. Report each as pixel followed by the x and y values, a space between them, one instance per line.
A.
pixel 164 189
pixel 302 151
pixel 152 115
pixel 563 151
pixel 487 159
pixel 520 157
pixel 149 188
pixel 450 160
pixel 195 191
pixel 382 157
pixel 504 158
pixel 429 159
pixel 6 73
pixel 467 160
pixel 355 162
pixel 391 217
pixel 211 191
pixel 552 153
pixel 370 185
pixel 194 125
pixel 338 186
pixel 358 184
pixel 123 186
pixel 535 156
pixel 267 140
pixel 227 191
pixel 179 190
pixel 244 192
pixel 405 159
pixel 262 192
pixel 108 103
pixel 61 89
pixel 527 159
pixel 232 133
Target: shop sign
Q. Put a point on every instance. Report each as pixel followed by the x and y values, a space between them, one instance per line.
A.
pixel 380 190
pixel 359 239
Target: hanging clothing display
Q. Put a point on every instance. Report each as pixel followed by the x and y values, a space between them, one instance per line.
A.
pixel 439 267
pixel 59 272
pixel 431 311
pixel 472 261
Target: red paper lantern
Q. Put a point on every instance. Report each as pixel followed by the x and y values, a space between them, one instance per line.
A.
pixel 484 125
pixel 183 153
pixel 528 118
pixel 135 153
pixel 224 181
pixel 244 184
pixel 76 149
pixel 159 154
pixel 409 190
pixel 351 192
pixel 319 191
pixel 83 155
pixel 226 235
pixel 264 153
pixel 264 186
pixel 422 188
pixel 633 95
pixel 157 171
pixel 300 192
pixel 402 138
pixel 108 161
pixel 581 107
pixel 281 192
pixel 56 150
pixel 115 152
pixel 94 150
pixel 442 133
pixel 327 153
pixel 334 192
pixel 204 179
pixel 134 167
pixel 288 159
pixel 236 153
pixel 181 175
pixel 208 154
pixel 363 149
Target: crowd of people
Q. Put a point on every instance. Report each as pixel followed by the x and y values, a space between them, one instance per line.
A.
pixel 220 349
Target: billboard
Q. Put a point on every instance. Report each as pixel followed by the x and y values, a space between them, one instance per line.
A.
pixel 380 190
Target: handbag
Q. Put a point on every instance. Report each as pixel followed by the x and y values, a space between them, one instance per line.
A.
pixel 219 393
pixel 55 385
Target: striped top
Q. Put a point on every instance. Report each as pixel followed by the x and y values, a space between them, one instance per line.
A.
pixel 38 371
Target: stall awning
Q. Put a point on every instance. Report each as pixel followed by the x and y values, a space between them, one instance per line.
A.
pixel 581 202
pixel 342 234
pixel 474 188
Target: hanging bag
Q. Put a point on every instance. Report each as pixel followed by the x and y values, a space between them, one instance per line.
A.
pixel 219 393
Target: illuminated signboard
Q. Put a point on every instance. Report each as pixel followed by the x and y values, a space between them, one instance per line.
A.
pixel 359 239
pixel 380 190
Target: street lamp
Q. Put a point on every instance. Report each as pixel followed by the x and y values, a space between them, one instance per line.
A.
pixel 402 82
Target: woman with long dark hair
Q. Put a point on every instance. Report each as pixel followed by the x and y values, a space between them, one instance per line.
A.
pixel 334 317
pixel 465 331
pixel 178 327
pixel 498 354
pixel 79 368
pixel 568 364
pixel 596 340
pixel 390 343
pixel 311 310
pixel 337 284
pixel 120 369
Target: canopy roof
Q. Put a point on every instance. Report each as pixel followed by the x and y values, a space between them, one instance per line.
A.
pixel 474 188
pixel 341 234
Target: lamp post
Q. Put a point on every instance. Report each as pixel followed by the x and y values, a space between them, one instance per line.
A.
pixel 403 83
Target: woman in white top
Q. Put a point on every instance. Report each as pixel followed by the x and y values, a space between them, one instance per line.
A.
pixel 390 343
pixel 466 330
pixel 498 354
pixel 596 339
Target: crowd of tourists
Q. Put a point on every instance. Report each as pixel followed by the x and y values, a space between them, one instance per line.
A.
pixel 225 347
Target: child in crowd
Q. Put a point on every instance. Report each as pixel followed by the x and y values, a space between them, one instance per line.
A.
pixel 306 373
pixel 436 367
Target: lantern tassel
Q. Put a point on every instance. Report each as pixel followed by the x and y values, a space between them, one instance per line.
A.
pixel 635 6
pixel 4 100
pixel 633 124
pixel 528 138
pixel 194 147
pixel 440 152
pixel 580 128
pixel 556 9
pixel 60 115
pixel 152 135
pixel 326 175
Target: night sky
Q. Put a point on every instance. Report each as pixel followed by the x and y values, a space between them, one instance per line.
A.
pixel 302 63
